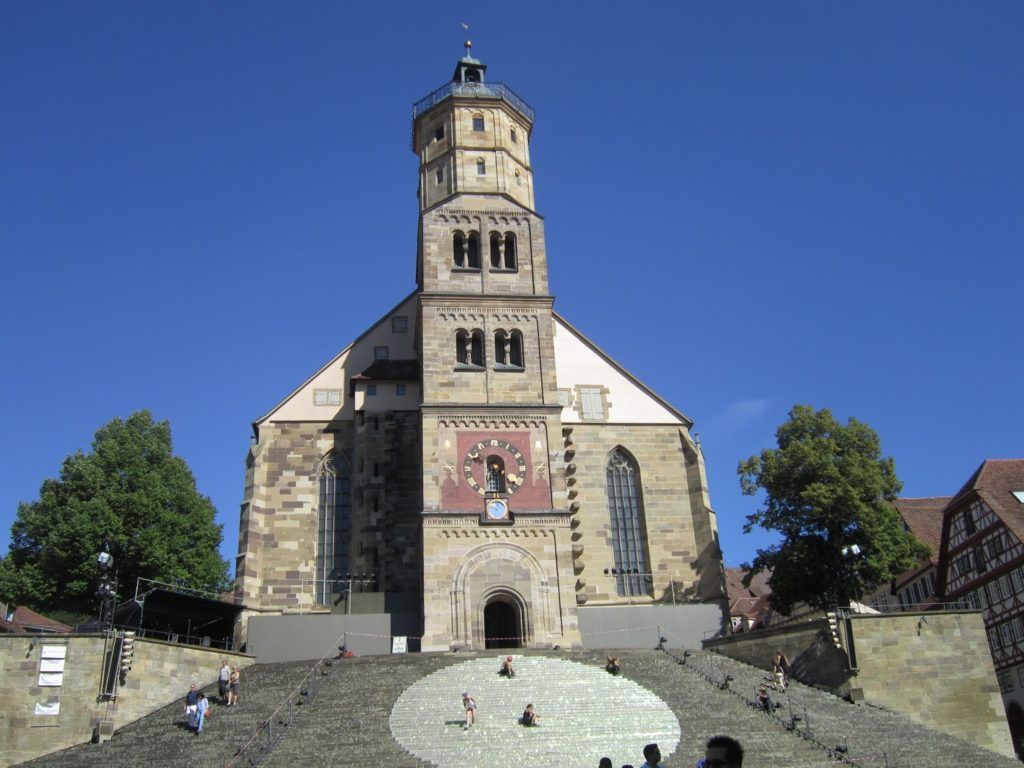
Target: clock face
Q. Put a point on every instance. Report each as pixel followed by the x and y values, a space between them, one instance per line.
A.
pixel 497 509
pixel 499 473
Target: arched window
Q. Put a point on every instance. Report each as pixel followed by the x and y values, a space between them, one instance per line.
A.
pixel 495 239
pixel 494 477
pixel 500 348
pixel 508 349
pixel 459 248
pixel 515 349
pixel 481 168
pixel 332 529
pixel 629 534
pixel 510 250
pixel 473 251
pixel 469 348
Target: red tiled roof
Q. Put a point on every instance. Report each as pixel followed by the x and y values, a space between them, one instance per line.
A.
pixel 995 481
pixel 734 584
pixel 27 620
pixel 924 518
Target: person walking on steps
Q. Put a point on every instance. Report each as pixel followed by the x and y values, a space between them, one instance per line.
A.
pixel 470 704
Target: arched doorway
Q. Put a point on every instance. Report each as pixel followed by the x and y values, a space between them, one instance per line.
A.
pixel 503 626
pixel 1015 717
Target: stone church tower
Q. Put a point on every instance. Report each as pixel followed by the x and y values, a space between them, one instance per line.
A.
pixel 473 457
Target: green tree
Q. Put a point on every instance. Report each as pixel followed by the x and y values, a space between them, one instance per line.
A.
pixel 826 489
pixel 129 490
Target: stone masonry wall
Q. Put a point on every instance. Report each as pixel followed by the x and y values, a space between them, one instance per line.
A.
pixel 934 667
pixel 160 674
pixel 680 531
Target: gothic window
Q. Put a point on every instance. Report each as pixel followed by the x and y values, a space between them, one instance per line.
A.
pixel 629 536
pixel 495 239
pixel 333 520
pixel 478 122
pixel 469 348
pixel 473 251
pixel 495 475
pixel 459 248
pixel 510 250
pixel 508 349
pixel 481 168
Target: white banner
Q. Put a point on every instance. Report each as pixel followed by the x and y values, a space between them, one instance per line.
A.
pixel 51 665
pixel 47 707
pixel 51 678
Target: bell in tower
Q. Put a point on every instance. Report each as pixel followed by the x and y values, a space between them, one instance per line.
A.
pixel 469 70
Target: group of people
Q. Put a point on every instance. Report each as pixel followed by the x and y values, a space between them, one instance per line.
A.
pixel 719 752
pixel 197 706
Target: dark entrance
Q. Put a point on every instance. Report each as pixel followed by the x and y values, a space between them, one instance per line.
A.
pixel 1015 717
pixel 501 625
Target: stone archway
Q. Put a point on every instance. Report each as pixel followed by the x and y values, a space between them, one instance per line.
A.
pixel 500 591
pixel 504 623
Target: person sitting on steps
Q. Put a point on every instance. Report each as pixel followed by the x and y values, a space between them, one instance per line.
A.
pixel 612 667
pixel 530 717
pixel 506 668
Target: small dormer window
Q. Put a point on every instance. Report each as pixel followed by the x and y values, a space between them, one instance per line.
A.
pixel 478 122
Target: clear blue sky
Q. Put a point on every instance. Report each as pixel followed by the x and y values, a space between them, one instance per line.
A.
pixel 748 204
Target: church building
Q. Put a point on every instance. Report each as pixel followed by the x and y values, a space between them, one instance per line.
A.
pixel 473 456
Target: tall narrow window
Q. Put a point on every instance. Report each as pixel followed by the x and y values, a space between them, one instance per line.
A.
pixel 515 349
pixel 629 535
pixel 473 251
pixel 469 348
pixel 459 249
pixel 495 239
pixel 481 168
pixel 510 250
pixel 333 521
pixel 500 348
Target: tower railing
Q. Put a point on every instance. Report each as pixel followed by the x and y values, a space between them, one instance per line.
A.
pixel 473 91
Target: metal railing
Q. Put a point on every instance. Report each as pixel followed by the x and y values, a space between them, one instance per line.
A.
pixel 474 91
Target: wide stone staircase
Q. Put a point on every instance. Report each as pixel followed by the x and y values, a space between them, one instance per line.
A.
pixel 405 711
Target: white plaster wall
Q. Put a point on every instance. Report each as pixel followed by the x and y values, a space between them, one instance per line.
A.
pixel 299 406
pixel 577 362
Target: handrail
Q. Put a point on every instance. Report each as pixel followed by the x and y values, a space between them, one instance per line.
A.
pixel 473 91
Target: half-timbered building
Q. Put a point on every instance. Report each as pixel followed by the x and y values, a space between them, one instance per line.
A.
pixel 981 564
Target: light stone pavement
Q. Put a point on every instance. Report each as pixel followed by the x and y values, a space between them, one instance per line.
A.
pixel 586 714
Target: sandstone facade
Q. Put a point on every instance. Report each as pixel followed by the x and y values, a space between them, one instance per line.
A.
pixel 473 451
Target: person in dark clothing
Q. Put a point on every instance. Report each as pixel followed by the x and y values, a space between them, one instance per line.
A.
pixel 723 752
pixel 612 667
pixel 530 717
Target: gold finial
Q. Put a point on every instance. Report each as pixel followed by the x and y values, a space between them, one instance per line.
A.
pixel 469 43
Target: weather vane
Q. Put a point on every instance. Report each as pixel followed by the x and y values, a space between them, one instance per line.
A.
pixel 468 43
